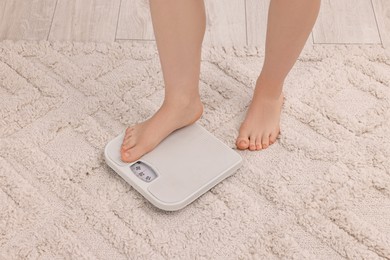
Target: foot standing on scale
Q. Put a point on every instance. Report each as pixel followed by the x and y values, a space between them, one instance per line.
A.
pixel 179 27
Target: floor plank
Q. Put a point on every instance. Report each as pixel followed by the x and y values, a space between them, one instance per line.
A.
pixel 225 22
pixel 229 22
pixel 347 21
pixel 256 18
pixel 25 20
pixel 135 21
pixel 382 13
pixel 226 25
pixel 85 20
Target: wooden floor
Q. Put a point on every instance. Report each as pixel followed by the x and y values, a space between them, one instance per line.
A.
pixel 229 22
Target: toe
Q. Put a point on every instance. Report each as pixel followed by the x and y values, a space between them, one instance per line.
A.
pixel 129 129
pixel 273 136
pixel 132 154
pixel 128 143
pixel 265 141
pixel 258 143
pixel 124 157
pixel 242 142
pixel 252 143
pixel 126 139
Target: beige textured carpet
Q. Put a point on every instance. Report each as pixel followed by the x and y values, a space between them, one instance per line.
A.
pixel 321 192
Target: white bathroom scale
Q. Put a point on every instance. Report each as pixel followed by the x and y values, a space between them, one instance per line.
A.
pixel 185 165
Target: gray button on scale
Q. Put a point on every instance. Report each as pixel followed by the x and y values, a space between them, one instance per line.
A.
pixel 185 165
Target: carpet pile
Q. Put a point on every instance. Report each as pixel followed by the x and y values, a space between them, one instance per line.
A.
pixel 322 191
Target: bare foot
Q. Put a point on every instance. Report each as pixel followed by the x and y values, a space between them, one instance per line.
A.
pixel 261 125
pixel 144 137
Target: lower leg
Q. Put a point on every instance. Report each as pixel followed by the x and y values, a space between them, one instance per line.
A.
pixel 289 25
pixel 179 28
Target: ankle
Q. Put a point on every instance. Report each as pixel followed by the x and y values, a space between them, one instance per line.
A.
pixel 190 108
pixel 269 88
pixel 183 101
pixel 271 76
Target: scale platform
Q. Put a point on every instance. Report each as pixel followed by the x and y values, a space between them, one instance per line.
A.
pixel 185 165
